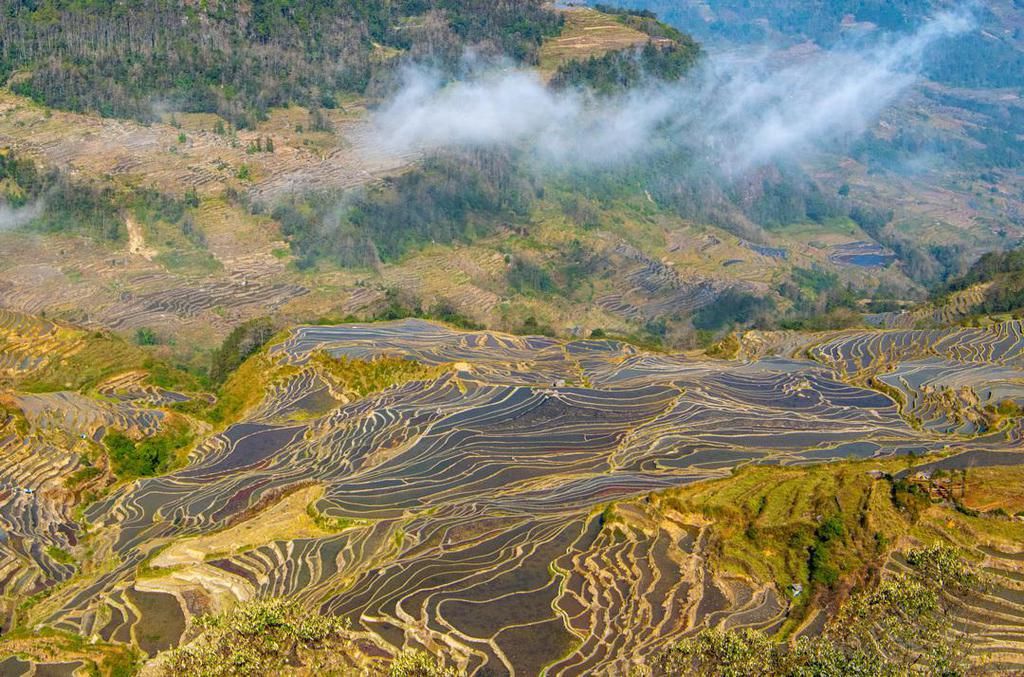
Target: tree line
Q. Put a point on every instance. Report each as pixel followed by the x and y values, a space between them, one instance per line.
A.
pixel 620 70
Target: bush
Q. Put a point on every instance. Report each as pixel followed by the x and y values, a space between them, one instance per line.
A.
pixel 145 336
pixel 257 638
pixel 151 456
pixel 419 664
pixel 903 625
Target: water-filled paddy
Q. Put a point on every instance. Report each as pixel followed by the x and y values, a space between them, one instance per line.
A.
pixel 478 497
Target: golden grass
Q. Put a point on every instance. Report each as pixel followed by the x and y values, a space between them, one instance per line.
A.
pixel 587 33
pixel 288 519
pixel 995 488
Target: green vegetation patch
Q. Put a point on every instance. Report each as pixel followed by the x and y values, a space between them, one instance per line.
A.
pixel 60 555
pixel 98 356
pixel 811 526
pixel 1004 274
pixel 152 455
pixel 456 197
pixel 239 60
pixel 359 378
pixel 50 201
pixel 267 636
pixel 621 70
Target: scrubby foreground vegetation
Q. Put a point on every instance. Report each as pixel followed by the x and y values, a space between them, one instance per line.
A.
pixel 269 636
pixel 906 623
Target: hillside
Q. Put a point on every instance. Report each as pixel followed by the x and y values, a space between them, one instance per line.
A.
pixel 432 338
pixel 945 157
pixel 239 59
pixel 236 219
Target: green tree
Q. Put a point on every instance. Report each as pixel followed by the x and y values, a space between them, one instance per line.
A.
pixel 144 336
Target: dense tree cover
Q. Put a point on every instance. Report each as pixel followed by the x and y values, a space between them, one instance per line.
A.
pixel 243 341
pixel 993 145
pixel 733 307
pixel 903 625
pixel 820 301
pixel 240 57
pixel 787 198
pixel 681 180
pixel 977 60
pixel 989 267
pixel 54 202
pixel 620 70
pixel 526 277
pixel 927 264
pixel 447 198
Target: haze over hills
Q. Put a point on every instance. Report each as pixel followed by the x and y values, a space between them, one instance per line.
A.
pixel 438 338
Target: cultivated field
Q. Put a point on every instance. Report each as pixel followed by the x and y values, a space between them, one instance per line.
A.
pixel 464 507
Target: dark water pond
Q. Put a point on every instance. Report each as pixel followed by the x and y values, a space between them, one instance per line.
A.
pixel 162 622
pixel 868 260
pixel 14 667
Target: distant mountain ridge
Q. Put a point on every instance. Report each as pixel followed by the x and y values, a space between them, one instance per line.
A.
pixel 992 56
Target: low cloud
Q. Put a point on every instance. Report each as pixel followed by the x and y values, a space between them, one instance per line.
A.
pixel 16 217
pixel 738 112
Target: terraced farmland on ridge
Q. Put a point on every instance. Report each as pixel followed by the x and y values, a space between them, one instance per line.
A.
pixel 465 510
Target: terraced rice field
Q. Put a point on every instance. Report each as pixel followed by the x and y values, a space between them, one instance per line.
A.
pixel 464 513
pixel 944 378
pixel 950 311
pixel 28 343
pixel 650 289
pixel 37 523
pixel 587 33
pixel 994 620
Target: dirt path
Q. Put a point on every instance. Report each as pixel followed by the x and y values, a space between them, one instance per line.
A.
pixel 136 242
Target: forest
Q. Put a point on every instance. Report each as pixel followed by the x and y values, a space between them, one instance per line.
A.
pixel 619 71
pixel 238 59
pixel 56 202
pixel 455 197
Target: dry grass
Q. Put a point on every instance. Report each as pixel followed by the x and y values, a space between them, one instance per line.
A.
pixel 995 488
pixel 587 33
pixel 287 519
